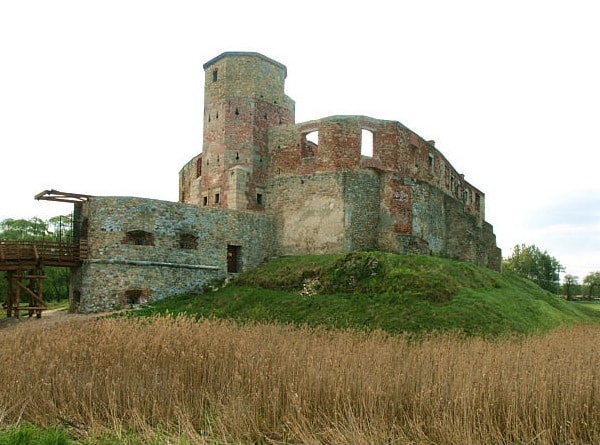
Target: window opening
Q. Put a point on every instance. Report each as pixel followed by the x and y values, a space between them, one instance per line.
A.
pixel 415 155
pixel 215 74
pixel 205 200
pixel 259 199
pixel 237 112
pixel 199 167
pixel 237 155
pixel 217 197
pixel 313 137
pixel 431 163
pixel 188 241
pixel 366 143
pixel 310 144
pixel 139 238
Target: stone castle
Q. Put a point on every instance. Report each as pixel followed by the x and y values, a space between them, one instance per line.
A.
pixel 266 186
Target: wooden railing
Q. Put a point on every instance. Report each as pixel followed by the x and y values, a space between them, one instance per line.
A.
pixel 22 254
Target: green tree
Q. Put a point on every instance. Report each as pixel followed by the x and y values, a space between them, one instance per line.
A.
pixel 570 286
pixel 23 229
pixel 531 263
pixel 592 280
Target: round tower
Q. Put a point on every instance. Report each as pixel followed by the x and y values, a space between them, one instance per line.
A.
pixel 243 97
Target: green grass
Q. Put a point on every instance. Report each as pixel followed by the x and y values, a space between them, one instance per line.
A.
pixel 32 435
pixel 375 290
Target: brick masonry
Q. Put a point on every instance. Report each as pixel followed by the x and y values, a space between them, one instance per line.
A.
pixel 263 187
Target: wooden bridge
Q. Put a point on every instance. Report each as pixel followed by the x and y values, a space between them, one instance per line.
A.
pixel 24 261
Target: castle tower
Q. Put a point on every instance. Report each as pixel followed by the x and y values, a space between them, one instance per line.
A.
pixel 243 97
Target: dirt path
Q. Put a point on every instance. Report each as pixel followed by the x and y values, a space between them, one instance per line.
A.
pixel 49 317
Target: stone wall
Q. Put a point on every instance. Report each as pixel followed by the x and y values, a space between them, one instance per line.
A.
pixel 142 249
pixel 310 213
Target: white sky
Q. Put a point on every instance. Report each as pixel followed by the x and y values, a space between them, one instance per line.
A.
pixel 106 97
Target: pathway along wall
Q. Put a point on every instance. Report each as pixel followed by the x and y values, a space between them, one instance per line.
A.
pixel 142 250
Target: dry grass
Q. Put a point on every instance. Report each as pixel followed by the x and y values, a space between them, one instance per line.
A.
pixel 217 381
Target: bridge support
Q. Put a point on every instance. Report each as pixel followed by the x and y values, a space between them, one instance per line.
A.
pixel 29 282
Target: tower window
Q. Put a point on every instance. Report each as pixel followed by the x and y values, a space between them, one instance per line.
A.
pixel 215 74
pixel 431 163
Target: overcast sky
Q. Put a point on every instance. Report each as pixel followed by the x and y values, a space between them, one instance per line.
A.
pixel 106 97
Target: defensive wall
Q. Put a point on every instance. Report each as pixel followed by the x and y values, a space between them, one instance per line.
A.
pixel 144 249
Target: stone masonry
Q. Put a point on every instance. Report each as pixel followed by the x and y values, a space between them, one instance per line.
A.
pixel 265 186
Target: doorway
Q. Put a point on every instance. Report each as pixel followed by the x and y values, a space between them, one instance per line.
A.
pixel 234 258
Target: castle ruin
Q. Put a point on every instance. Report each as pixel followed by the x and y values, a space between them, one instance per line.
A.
pixel 266 186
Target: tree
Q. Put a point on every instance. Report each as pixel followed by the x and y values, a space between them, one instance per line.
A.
pixel 23 229
pixel 531 263
pixel 593 281
pixel 570 285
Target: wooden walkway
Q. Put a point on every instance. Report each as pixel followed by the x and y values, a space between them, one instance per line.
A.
pixel 24 261
pixel 19 255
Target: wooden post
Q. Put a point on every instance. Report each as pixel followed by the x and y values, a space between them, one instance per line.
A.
pixel 9 293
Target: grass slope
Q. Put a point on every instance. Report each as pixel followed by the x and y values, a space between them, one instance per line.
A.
pixel 375 290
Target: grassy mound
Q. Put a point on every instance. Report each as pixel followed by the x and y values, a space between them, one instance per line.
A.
pixel 375 290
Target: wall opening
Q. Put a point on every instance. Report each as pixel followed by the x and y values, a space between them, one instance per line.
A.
pixel 215 75
pixel 133 296
pixel 431 163
pixel 205 201
pixel 139 238
pixel 366 143
pixel 234 258
pixel 310 142
pixel 217 198
pixel 259 199
pixel 313 137
pixel 414 151
pixel 188 241
pixel 199 167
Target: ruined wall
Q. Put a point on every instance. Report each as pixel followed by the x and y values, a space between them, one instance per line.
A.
pixel 403 197
pixel 143 249
pixel 310 213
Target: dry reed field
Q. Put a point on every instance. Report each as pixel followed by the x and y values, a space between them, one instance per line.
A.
pixel 218 382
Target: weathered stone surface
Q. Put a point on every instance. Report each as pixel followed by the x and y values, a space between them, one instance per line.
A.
pixel 262 187
pixel 115 266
